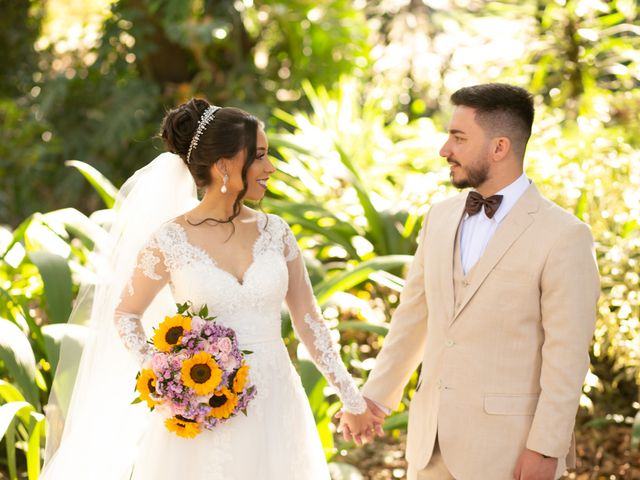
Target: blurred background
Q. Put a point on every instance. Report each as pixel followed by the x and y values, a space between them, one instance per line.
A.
pixel 354 96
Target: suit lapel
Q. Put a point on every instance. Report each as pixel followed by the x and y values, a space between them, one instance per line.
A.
pixel 509 230
pixel 445 232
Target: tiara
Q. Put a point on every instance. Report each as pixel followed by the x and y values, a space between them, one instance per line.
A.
pixel 208 115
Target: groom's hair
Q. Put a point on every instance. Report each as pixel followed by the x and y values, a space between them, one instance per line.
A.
pixel 501 111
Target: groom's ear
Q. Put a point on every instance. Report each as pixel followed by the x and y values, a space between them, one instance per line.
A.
pixel 500 148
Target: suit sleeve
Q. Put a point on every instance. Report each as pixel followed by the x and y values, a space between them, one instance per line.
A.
pixel 570 287
pixel 404 344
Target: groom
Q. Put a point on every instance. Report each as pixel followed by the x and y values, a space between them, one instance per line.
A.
pixel 498 307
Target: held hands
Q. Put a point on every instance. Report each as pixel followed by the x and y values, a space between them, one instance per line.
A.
pixel 533 466
pixel 362 428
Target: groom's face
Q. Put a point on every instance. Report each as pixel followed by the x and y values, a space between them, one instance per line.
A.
pixel 466 150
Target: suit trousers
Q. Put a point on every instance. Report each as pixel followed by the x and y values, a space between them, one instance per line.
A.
pixel 435 469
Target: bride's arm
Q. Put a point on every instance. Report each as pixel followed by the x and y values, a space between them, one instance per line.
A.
pixel 311 329
pixel 148 278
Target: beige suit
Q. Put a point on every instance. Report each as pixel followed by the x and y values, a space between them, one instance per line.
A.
pixel 504 353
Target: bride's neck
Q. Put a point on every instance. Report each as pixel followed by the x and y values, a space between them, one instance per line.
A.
pixel 214 204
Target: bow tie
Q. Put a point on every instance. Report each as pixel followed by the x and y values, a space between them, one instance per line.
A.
pixel 475 202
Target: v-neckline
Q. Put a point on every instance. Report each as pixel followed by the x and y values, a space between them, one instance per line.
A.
pixel 240 282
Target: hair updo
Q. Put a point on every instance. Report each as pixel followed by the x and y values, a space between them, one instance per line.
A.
pixel 231 131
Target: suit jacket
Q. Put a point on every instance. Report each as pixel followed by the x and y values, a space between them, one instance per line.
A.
pixel 504 370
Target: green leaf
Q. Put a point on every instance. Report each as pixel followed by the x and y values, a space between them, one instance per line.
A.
pixel 581 206
pixel 78 224
pixel 18 235
pixel 10 440
pixel 325 433
pixel 397 421
pixel 247 352
pixel 16 352
pixel 136 400
pixel 35 332
pixel 386 279
pixel 204 311
pixel 98 181
pixel 36 436
pixel 11 410
pixel 56 277
pixel 9 393
pixel 351 278
pixel 363 327
pixel 182 307
pixel 314 383
pixel 73 337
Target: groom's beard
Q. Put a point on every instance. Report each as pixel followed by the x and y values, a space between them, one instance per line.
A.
pixel 475 175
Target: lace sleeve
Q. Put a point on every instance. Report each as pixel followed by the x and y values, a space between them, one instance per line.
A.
pixel 311 329
pixel 148 278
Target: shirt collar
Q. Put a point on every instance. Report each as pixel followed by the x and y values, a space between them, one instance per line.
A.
pixel 510 195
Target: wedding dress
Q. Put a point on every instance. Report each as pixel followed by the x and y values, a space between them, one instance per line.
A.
pixel 93 430
pixel 278 437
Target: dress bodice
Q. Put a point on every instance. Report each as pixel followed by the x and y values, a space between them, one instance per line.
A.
pixel 251 307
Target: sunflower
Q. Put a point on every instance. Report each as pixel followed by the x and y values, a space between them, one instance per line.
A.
pixel 240 378
pixel 222 403
pixel 183 427
pixel 170 331
pixel 201 372
pixel 146 385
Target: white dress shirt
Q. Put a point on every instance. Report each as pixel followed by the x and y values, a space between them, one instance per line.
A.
pixel 478 229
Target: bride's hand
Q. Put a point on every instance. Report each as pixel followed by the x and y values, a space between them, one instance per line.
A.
pixel 361 428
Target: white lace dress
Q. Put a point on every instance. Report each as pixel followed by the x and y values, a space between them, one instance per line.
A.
pixel 278 438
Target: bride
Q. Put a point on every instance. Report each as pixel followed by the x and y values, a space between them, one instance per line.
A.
pixel 169 248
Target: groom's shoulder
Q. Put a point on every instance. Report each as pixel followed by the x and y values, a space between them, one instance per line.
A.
pixel 556 218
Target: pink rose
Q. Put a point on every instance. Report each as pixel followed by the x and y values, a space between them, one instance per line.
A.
pixel 224 344
pixel 197 323
pixel 229 362
pixel 179 409
pixel 159 362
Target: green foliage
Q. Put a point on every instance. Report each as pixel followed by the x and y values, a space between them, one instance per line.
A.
pixel 103 103
pixel 17 53
pixel 585 48
pixel 37 261
pixel 333 180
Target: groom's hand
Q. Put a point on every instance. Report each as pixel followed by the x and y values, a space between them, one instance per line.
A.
pixel 534 466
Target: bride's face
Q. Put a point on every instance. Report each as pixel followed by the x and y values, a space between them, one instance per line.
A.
pixel 257 175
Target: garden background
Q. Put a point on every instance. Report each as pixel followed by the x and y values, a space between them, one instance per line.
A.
pixel 354 96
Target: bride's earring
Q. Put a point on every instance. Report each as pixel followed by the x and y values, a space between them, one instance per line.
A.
pixel 225 179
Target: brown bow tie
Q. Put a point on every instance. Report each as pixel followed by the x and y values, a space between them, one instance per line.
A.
pixel 475 201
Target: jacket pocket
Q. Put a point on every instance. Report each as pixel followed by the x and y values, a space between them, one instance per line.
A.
pixel 506 404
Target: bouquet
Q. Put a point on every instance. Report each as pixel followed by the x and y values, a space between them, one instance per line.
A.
pixel 196 375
